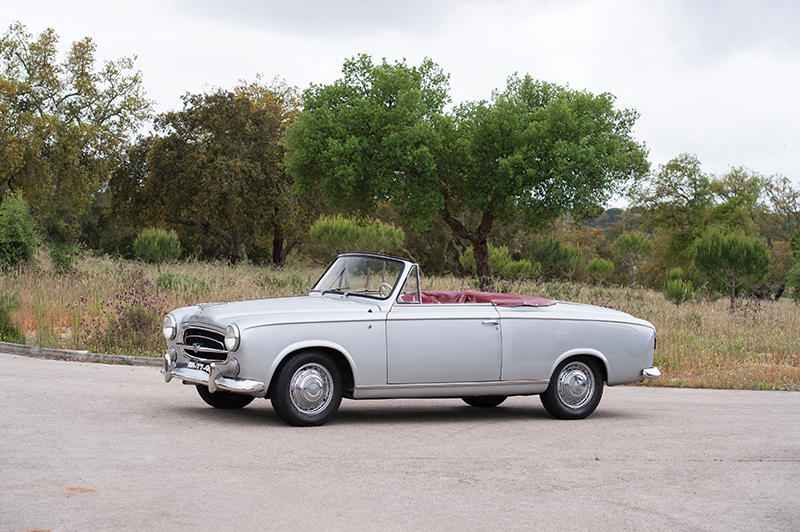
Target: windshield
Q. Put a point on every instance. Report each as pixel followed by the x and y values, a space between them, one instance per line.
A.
pixel 359 275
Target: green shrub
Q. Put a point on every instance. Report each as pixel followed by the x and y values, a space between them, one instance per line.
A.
pixel 180 282
pixel 157 246
pixel 558 261
pixel 793 282
pixel 600 269
pixel 501 264
pixel 331 235
pixel 8 331
pixel 18 238
pixel 678 290
pixel 64 257
pixel 130 321
pixel 674 273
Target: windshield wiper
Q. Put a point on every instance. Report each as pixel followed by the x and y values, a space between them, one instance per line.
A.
pixel 333 291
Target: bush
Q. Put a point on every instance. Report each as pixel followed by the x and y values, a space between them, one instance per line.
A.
pixel 18 238
pixel 331 235
pixel 64 257
pixel 130 323
pixel 157 246
pixel 793 282
pixel 501 264
pixel 600 269
pixel 180 282
pixel 557 260
pixel 678 290
pixel 8 331
pixel 674 273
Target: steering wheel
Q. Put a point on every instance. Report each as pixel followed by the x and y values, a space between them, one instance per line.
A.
pixel 385 289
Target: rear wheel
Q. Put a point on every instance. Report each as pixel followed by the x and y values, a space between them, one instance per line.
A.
pixel 484 401
pixel 308 389
pixel 575 389
pixel 225 400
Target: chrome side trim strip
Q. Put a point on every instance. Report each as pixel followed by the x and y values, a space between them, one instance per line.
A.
pixel 451 384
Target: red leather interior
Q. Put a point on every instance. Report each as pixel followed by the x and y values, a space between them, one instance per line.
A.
pixel 473 296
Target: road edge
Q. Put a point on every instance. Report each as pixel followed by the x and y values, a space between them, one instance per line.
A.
pixel 76 356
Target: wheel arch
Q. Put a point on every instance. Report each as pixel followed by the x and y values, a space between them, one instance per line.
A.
pixel 583 353
pixel 340 355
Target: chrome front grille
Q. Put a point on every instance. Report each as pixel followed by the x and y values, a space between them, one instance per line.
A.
pixel 204 345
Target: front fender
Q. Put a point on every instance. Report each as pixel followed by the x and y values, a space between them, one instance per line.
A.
pixel 309 344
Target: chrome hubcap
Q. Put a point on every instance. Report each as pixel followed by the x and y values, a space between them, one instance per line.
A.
pixel 575 385
pixel 311 388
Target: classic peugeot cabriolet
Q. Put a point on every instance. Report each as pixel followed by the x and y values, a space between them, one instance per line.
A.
pixel 367 331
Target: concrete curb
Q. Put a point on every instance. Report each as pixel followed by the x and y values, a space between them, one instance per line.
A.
pixel 76 356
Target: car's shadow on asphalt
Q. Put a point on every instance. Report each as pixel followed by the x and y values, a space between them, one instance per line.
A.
pixel 352 414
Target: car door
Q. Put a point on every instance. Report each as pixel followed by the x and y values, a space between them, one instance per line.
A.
pixel 429 343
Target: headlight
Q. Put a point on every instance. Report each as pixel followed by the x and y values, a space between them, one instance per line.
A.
pixel 232 337
pixel 170 327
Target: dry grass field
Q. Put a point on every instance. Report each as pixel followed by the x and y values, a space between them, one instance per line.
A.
pixel 116 306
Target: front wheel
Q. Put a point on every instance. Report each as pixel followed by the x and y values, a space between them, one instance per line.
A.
pixel 226 400
pixel 308 390
pixel 575 389
pixel 484 401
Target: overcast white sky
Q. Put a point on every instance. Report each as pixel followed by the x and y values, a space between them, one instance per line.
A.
pixel 718 79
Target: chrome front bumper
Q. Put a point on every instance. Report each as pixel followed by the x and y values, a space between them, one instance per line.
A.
pixel 211 378
pixel 651 373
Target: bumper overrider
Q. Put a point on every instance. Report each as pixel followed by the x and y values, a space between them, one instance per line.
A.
pixel 213 378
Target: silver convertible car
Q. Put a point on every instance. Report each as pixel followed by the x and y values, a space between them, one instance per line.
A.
pixel 367 331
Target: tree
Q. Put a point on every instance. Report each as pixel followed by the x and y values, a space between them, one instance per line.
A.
pixel 631 249
pixel 63 124
pixel 215 173
pixel 559 261
pixel 738 193
pixel 157 246
pixel 600 269
pixel 677 200
pixel 535 150
pixel 784 201
pixel 731 259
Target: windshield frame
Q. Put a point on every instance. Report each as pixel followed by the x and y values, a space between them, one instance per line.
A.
pixel 400 278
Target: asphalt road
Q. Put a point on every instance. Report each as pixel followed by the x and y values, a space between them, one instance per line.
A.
pixel 98 447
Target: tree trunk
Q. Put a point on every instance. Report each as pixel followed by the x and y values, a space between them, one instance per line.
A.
pixel 733 297
pixel 236 249
pixel 481 252
pixel 479 238
pixel 278 257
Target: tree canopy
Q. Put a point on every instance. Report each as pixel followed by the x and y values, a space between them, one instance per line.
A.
pixel 534 150
pixel 215 170
pixel 63 123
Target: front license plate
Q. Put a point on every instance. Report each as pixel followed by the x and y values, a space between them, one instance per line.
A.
pixel 197 365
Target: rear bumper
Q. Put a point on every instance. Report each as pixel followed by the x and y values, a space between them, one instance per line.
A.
pixel 651 373
pixel 212 378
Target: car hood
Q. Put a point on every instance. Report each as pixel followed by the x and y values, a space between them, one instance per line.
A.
pixel 270 311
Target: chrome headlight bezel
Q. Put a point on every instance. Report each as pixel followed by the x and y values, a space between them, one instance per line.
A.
pixel 232 337
pixel 170 327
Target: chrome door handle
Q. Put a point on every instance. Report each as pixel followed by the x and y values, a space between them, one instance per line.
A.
pixel 491 322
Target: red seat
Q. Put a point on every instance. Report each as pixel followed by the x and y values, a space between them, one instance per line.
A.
pixel 473 296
